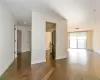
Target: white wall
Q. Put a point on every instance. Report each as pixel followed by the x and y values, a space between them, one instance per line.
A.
pixel 6 37
pixel 39 37
pixel 96 40
pixel 25 41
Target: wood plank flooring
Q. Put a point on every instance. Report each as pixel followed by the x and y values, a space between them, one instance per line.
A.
pixel 80 65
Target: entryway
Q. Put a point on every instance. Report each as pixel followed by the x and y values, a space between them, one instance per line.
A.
pixel 22 47
pixel 50 42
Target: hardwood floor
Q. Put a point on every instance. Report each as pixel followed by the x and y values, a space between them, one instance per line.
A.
pixel 80 65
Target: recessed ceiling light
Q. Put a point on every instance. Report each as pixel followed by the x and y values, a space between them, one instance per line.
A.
pixel 77 28
pixel 24 22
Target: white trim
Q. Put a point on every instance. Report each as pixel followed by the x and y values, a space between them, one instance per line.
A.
pixel 38 61
pixel 97 51
pixel 6 67
pixel 61 57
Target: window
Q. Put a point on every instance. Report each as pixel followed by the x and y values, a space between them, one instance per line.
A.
pixel 78 40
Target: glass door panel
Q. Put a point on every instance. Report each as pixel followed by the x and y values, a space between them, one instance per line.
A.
pixel 73 43
pixel 78 40
pixel 73 40
pixel 81 43
pixel 81 40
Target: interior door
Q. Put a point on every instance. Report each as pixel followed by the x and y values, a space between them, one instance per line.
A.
pixel 53 44
pixel 19 41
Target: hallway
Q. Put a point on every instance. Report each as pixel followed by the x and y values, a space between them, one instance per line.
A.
pixel 80 65
pixel 72 24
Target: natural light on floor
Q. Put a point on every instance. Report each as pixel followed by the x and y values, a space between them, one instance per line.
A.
pixel 78 56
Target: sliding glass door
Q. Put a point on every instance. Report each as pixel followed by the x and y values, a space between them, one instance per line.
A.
pixel 73 40
pixel 78 40
pixel 81 40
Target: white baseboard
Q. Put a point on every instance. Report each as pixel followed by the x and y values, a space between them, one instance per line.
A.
pixel 38 61
pixel 97 51
pixel 25 51
pixel 61 57
pixel 41 61
pixel 6 67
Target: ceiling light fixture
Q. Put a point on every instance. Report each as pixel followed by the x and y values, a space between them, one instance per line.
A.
pixel 77 28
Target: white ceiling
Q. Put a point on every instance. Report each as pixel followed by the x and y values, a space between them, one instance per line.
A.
pixel 79 13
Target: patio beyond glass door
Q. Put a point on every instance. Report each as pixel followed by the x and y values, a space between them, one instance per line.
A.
pixel 78 40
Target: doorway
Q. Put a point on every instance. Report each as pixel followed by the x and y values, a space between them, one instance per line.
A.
pixel 23 48
pixel 19 49
pixel 50 41
pixel 53 53
pixel 78 40
pixel 19 40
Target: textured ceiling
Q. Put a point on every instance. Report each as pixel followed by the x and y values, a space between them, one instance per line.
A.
pixel 79 13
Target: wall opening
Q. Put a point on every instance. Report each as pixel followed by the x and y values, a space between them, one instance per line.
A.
pixel 50 42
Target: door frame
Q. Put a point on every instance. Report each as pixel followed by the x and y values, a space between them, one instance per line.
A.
pixel 15 41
